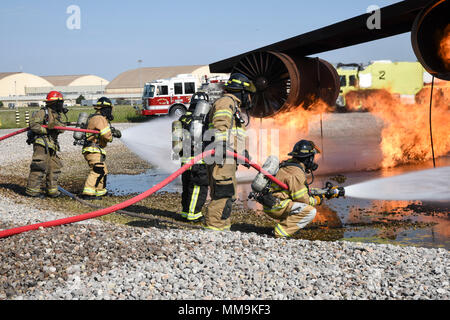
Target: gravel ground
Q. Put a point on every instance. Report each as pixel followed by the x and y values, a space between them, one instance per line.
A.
pixel 101 260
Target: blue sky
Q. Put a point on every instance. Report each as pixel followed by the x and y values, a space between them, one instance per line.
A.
pixel 115 34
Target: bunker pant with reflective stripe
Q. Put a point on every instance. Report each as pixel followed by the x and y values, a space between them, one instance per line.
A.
pixel 222 183
pixel 292 220
pixel 45 166
pixel 95 184
pixel 193 197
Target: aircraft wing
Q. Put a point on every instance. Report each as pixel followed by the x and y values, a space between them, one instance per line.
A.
pixel 285 76
pixel 395 19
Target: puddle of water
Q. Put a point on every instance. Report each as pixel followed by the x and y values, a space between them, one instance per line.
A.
pixel 123 184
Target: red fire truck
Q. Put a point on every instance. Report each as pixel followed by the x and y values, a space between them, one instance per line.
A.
pixel 172 96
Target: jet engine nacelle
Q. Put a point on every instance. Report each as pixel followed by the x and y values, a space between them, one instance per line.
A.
pixel 284 82
pixel 431 28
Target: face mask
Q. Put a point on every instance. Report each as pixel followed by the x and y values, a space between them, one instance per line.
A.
pixel 57 106
pixel 246 101
pixel 310 165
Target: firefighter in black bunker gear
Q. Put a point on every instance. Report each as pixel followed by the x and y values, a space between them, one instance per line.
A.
pixel 194 180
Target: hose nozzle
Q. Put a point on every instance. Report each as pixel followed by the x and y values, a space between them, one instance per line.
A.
pixel 333 191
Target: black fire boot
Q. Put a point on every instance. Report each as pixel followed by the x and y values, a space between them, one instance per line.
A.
pixel 87 197
pixel 37 196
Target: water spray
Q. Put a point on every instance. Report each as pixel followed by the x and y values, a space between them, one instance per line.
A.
pixel 425 185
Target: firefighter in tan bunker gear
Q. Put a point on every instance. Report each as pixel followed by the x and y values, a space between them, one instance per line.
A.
pixel 229 133
pixel 45 164
pixel 94 149
pixel 295 207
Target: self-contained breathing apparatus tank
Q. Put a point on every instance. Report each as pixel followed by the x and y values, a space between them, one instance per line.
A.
pixel 198 123
pixel 261 184
pixel 194 137
pixel 177 139
pixel 78 136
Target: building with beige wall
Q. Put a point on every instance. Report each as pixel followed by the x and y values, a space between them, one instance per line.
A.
pixel 72 84
pixel 22 88
pixel 76 80
pixel 16 83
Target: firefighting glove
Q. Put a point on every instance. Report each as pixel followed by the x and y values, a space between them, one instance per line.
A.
pixel 51 125
pixel 116 133
pixel 319 199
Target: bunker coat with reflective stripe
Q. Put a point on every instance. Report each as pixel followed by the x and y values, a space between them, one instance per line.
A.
pixel 95 155
pixel 291 220
pixel 98 141
pixel 295 178
pixel 46 137
pixel 222 119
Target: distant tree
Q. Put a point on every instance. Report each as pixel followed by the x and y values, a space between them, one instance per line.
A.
pixel 79 99
pixel 1 104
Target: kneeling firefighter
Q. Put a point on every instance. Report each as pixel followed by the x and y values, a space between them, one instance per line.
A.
pixel 293 208
pixel 194 180
pixel 94 147
pixel 228 127
pixel 45 164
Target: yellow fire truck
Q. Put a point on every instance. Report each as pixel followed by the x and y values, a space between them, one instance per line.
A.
pixel 405 79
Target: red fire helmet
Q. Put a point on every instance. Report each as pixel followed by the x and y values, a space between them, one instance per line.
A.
pixel 54 95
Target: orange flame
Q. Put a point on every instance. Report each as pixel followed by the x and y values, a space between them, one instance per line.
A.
pixel 292 125
pixel 406 135
pixel 328 217
pixel 444 47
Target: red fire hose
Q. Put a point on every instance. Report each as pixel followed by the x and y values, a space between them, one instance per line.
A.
pixel 74 129
pixel 9 135
pixel 129 202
